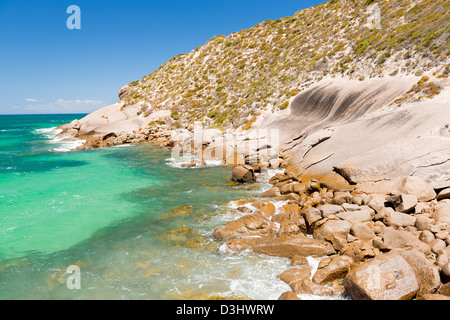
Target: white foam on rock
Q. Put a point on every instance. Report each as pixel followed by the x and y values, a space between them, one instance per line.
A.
pixel 65 143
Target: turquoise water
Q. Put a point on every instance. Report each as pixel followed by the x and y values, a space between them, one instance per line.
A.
pixel 107 211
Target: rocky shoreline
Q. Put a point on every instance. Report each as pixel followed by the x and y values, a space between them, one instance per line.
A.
pixel 373 246
pixel 379 246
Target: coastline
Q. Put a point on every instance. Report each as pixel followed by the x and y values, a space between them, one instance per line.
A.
pixel 357 199
pixel 346 229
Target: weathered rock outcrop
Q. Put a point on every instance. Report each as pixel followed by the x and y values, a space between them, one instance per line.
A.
pixel 374 246
pixel 398 275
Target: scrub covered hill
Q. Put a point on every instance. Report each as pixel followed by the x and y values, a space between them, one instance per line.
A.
pixel 231 80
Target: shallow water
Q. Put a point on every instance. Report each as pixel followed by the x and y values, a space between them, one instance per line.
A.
pixel 113 213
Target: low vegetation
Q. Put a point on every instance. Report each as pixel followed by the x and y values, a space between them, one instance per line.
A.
pixel 231 79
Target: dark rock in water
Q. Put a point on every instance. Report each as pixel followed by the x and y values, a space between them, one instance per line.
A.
pixel 180 211
pixel 243 173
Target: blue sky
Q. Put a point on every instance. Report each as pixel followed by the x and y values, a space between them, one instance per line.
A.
pixel 47 68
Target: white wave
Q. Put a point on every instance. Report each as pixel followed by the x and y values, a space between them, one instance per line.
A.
pixel 186 161
pixel 65 143
pixel 68 145
pixel 122 145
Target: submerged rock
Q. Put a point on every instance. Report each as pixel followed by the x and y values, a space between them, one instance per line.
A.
pixel 180 211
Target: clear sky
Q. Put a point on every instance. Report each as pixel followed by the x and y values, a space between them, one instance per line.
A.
pixel 47 68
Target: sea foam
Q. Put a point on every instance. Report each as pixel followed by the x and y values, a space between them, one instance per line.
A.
pixel 65 143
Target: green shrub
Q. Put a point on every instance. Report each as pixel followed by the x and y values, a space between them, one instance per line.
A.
pixel 284 105
pixel 175 115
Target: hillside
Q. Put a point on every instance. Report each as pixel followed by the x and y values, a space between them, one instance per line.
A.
pixel 340 83
pixel 232 79
pixel 351 99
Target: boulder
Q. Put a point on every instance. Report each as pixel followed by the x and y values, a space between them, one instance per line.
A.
pixel 288 295
pixel 337 268
pixel 337 239
pixel 341 197
pixel 295 276
pixel 268 210
pixel 309 287
pixel 275 163
pixel 437 245
pixel 360 250
pixel 364 215
pixel 434 296
pixel 401 239
pixel 426 236
pixel 363 230
pixel 287 188
pixel 273 192
pixel 376 201
pixel 311 215
pixel 287 212
pixel 254 224
pixel 330 227
pixel 445 273
pixel 352 206
pixel 329 209
pixel 444 194
pixel 445 289
pixel 426 272
pixel 124 91
pixel 408 204
pixel 415 186
pixel 299 261
pixel 286 246
pixel 295 226
pixel 424 223
pixel 442 212
pixel 243 173
pixel 398 219
pixel 397 275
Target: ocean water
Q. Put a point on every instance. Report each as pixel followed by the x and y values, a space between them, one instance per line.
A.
pixel 136 225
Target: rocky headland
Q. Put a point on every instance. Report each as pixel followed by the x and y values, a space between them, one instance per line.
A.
pixel 357 119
